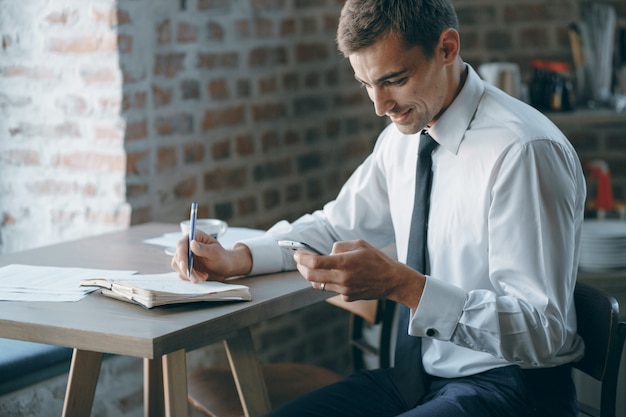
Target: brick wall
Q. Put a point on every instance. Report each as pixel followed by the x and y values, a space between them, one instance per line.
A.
pixel 62 158
pixel 244 106
pixel 118 112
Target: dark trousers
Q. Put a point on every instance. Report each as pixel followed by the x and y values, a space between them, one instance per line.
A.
pixel 502 392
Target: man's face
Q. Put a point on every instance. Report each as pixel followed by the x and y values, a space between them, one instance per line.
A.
pixel 402 83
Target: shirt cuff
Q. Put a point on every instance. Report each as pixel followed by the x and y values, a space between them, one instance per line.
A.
pixel 267 256
pixel 439 310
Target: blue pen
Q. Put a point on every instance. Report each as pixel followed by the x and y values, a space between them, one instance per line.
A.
pixel 192 235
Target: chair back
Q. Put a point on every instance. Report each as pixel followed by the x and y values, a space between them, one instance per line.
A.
pixel 380 313
pixel 598 324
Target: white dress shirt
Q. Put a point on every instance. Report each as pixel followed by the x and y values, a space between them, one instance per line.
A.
pixel 507 204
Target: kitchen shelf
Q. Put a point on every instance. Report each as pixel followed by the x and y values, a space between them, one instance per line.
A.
pixel 588 118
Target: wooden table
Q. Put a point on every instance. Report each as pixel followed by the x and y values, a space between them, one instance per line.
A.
pixel 162 336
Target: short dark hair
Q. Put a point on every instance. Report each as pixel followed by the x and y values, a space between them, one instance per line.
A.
pixel 417 22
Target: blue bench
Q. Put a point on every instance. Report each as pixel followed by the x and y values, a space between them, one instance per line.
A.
pixel 26 363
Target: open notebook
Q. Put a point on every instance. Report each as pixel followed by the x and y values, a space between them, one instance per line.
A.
pixel 162 289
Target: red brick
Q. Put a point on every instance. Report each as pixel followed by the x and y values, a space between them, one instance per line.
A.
pixel 269 111
pixel 37 73
pixel 218 89
pixel 8 219
pixel 268 85
pixel 181 123
pixel 193 153
pixel 115 217
pixel 225 178
pixel 242 29
pixel 245 144
pixel 186 33
pixel 293 193
pixel 99 76
pixel 186 188
pixel 136 190
pixel 161 96
pixel 263 28
pixel 534 37
pixel 55 187
pixel 247 205
pixel 112 133
pixel 134 100
pixel 288 27
pixel 137 130
pixel 122 17
pixel 226 60
pixel 270 141
pixel 85 44
pixel 20 157
pixel 138 163
pixel 91 161
pixel 110 105
pixel 308 52
pixel 169 65
pixel 221 150
pixel 111 16
pixel 72 104
pixel 166 158
pixel 223 117
pixel 350 100
pixel 215 32
pixel 267 56
pixel 141 215
pixel 271 199
pixel 63 18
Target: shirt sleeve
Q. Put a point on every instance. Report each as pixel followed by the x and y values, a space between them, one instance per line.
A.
pixel 534 221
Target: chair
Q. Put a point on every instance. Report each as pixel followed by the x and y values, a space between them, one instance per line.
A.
pixel 599 326
pixel 213 391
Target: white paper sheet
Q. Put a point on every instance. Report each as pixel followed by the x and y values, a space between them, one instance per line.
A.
pixel 48 283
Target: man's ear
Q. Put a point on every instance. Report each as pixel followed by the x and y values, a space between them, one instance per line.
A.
pixel 450 45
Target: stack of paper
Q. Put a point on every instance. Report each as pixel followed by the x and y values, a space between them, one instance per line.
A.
pixel 49 283
pixel 161 289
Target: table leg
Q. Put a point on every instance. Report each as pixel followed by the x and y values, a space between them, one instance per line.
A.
pixel 81 384
pixel 153 388
pixel 247 374
pixel 175 384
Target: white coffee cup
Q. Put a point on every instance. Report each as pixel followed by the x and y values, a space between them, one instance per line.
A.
pixel 212 227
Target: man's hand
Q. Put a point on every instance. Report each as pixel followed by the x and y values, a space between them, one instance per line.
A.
pixel 211 261
pixel 358 271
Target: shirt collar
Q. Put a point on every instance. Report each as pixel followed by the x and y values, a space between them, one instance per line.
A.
pixel 450 128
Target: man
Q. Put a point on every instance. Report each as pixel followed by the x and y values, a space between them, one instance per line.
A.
pixel 494 306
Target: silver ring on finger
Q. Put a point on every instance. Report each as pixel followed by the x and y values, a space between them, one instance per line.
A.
pixel 323 287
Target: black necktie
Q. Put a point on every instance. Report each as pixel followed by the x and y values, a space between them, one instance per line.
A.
pixel 408 367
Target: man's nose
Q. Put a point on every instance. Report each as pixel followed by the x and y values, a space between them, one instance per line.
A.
pixel 382 100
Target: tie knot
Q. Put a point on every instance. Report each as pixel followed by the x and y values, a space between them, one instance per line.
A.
pixel 427 145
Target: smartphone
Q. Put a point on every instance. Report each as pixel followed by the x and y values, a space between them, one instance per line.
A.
pixel 293 245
